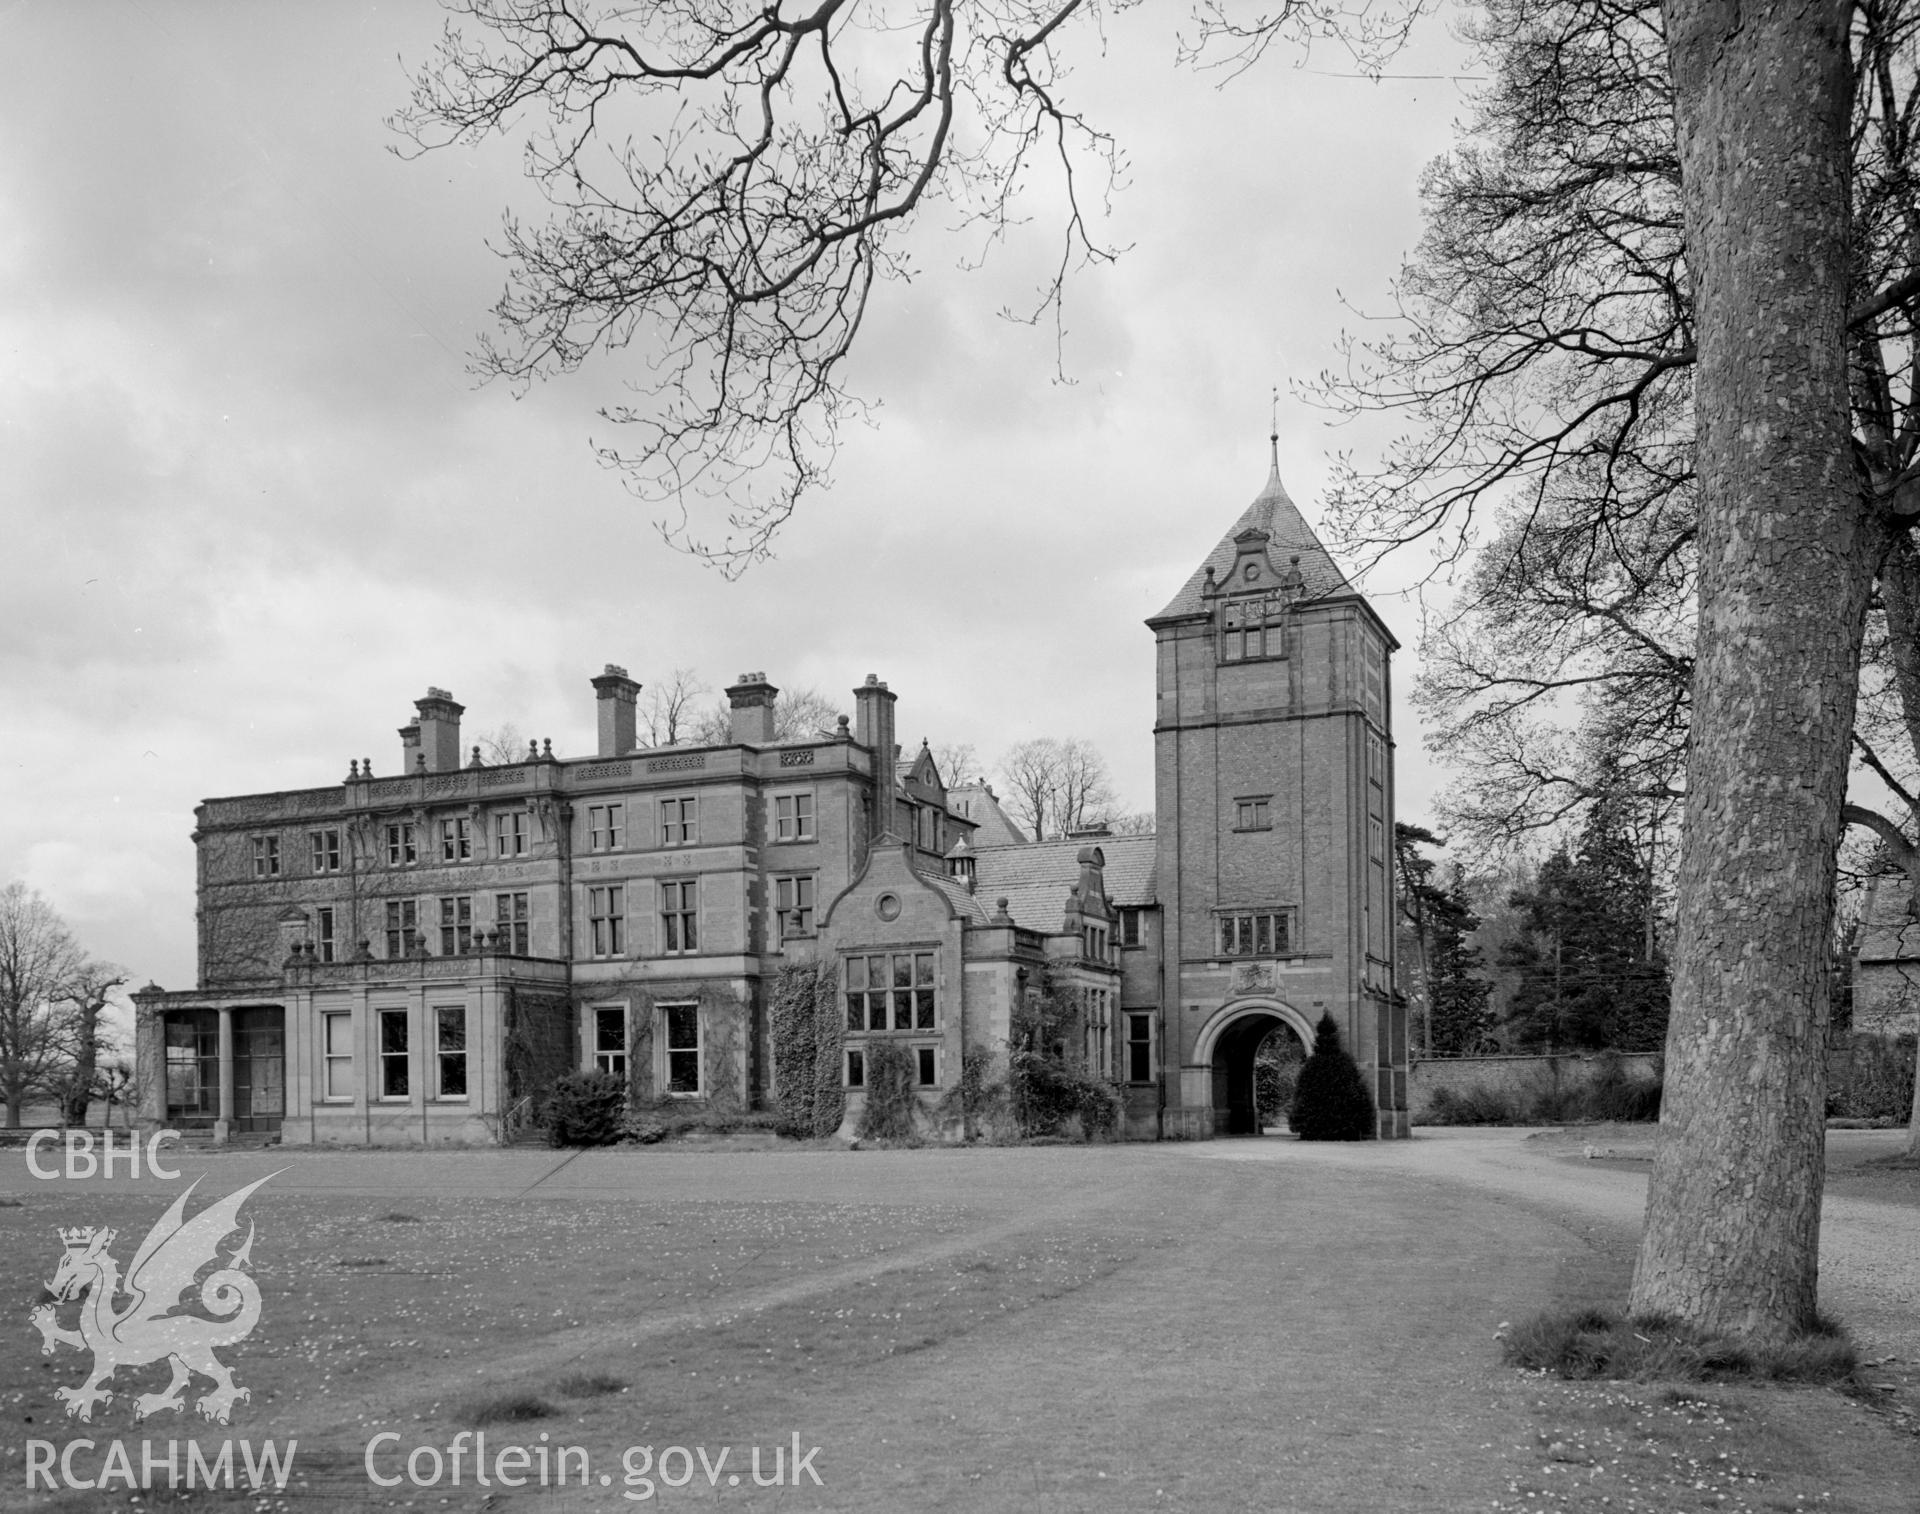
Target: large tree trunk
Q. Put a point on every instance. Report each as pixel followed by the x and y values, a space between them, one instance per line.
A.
pixel 1762 98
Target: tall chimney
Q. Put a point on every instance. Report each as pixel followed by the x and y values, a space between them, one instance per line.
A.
pixel 751 700
pixel 409 746
pixel 440 730
pixel 615 694
pixel 873 729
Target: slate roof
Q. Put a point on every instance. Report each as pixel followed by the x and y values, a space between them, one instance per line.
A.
pixel 970 906
pixel 1274 512
pixel 1034 879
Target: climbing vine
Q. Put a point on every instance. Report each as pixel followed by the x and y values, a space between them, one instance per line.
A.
pixel 887 1113
pixel 803 1020
pixel 1048 1083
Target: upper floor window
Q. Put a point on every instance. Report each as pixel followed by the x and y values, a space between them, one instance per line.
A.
pixel 1093 940
pixel 266 856
pixel 401 851
pixel 1376 758
pixel 1253 627
pixel 1254 933
pixel 326 943
pixel 456 839
pixel 793 905
pixel 510 833
pixel 607 921
pixel 793 817
pixel 679 822
pixel 326 850
pixel 606 825
pixel 456 925
pixel 1252 814
pixel 679 915
pixel 1376 838
pixel 402 920
pixel 891 991
pixel 1130 926
pixel 510 920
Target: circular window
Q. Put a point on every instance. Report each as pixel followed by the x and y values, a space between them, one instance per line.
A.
pixel 887 906
pixel 1253 572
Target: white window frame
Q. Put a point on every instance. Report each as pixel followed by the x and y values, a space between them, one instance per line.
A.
pixel 1250 916
pixel 456 916
pixel 1253 812
pixel 793 816
pixel 789 887
pixel 384 1059
pixel 668 1051
pixel 403 848
pixel 266 856
pixel 326 849
pixel 606 826
pixel 515 926
pixel 679 925
pixel 607 907
pixel 409 915
pixel 510 833
pixel 325 941
pixel 600 1057
pixel 440 1054
pixel 456 839
pixel 1139 1018
pixel 680 821
pixel 336 1055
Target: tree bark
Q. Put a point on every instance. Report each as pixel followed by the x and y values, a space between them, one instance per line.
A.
pixel 1787 551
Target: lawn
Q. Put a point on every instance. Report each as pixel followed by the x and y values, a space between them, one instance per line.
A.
pixel 1107 1328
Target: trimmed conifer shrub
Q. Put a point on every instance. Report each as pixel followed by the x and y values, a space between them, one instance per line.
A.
pixel 1331 1102
pixel 587 1109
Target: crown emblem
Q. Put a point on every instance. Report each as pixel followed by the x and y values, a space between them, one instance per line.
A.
pixel 81 1236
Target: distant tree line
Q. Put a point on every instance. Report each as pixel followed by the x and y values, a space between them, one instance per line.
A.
pixel 54 1041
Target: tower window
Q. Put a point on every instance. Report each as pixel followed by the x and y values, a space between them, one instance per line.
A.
pixel 1253 627
pixel 1255 933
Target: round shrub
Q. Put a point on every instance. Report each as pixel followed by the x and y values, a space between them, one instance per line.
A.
pixel 587 1109
pixel 1331 1102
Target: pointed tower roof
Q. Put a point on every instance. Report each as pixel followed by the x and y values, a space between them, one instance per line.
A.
pixel 1288 537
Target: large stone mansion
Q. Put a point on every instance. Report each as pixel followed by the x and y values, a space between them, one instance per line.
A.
pixel 408 959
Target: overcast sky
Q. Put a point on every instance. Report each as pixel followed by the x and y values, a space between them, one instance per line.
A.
pixel 255 504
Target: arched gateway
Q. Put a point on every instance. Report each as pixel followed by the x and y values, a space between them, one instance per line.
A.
pixel 1225 1053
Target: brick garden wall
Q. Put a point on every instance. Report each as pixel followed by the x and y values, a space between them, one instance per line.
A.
pixel 1518 1078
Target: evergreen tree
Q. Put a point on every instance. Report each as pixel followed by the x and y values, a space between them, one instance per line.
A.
pixel 1591 974
pixel 1331 1102
pixel 1457 1010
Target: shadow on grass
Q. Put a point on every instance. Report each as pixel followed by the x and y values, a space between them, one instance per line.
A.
pixel 505 1409
pixel 1604 1343
pixel 590 1384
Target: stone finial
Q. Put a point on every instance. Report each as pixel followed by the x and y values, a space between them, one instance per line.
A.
pixel 476 762
pixel 353 768
pixel 533 750
pixel 420 762
pixel 1000 914
pixel 366 767
pixel 842 731
pixel 546 749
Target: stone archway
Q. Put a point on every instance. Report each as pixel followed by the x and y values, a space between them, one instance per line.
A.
pixel 1226 1047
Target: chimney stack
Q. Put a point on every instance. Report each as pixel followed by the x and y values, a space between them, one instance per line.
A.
pixel 751 700
pixel 409 748
pixel 615 693
pixel 873 729
pixel 440 730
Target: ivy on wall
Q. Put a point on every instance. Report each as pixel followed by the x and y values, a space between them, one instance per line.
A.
pixel 803 1020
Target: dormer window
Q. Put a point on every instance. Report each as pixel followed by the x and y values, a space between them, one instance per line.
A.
pixel 1253 627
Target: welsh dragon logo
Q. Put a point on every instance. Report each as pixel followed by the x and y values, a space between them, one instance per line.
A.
pixel 143 1329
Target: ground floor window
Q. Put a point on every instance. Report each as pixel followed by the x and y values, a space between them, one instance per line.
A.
pixel 1139 1048
pixel 393 1054
pixel 336 1049
pixel 856 1068
pixel 682 1040
pixel 926 1063
pixel 450 1032
pixel 610 1039
pixel 193 1063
